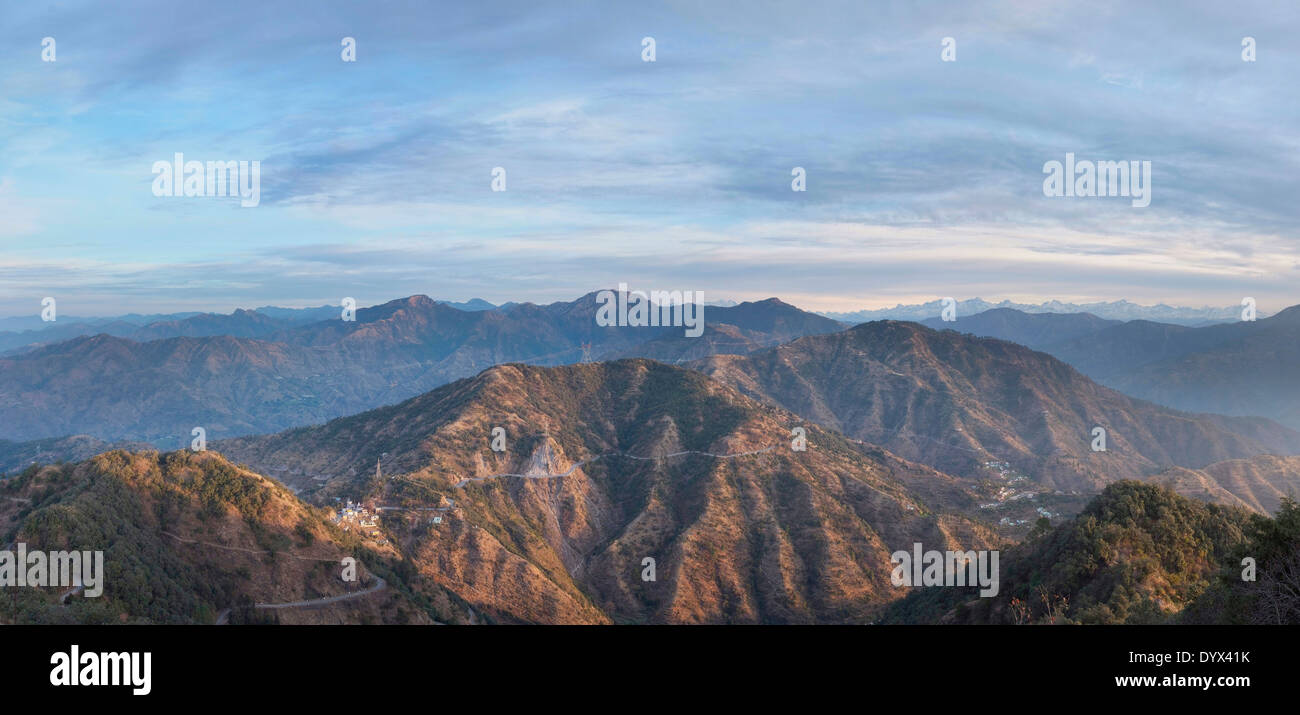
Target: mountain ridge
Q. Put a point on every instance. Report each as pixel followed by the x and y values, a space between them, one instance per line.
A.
pixel 987 399
pixel 305 373
pixel 630 459
pixel 1112 310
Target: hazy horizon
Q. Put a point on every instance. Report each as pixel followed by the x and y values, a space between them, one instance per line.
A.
pixel 866 306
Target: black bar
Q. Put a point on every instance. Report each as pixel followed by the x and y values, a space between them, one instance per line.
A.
pixel 930 665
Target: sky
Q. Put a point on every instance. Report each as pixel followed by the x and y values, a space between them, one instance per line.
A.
pixel 924 177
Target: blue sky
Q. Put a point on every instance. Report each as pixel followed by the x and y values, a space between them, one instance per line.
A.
pixel 924 177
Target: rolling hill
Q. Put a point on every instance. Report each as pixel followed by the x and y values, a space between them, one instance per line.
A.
pixel 1258 483
pixel 191 538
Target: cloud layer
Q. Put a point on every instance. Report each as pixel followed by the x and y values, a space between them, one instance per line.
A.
pixel 924 177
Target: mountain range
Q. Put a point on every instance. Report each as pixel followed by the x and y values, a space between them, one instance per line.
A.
pixel 974 408
pixel 1121 310
pixel 247 372
pixel 761 473
pixel 1237 368
pixel 24 334
pixel 620 492
pixel 957 402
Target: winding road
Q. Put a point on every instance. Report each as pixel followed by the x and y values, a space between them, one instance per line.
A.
pixel 224 616
pixel 380 584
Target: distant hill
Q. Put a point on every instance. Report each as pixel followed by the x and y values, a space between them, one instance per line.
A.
pixel 1232 368
pixel 1240 368
pixel 736 330
pixel 471 304
pixel 721 339
pixel 1033 330
pixel 1121 310
pixel 248 372
pixel 28 333
pixel 1255 370
pixel 955 402
pixel 1259 483
pixel 58 331
pixel 300 315
pixel 34 322
pixel 1119 349
pixel 17 456
pixel 241 323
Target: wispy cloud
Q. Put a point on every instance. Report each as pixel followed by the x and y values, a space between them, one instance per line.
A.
pixel 924 177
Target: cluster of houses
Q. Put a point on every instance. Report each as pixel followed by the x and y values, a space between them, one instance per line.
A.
pixel 364 519
pixel 1010 492
pixel 1005 471
pixel 1007 493
pixel 352 516
pixel 1008 521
